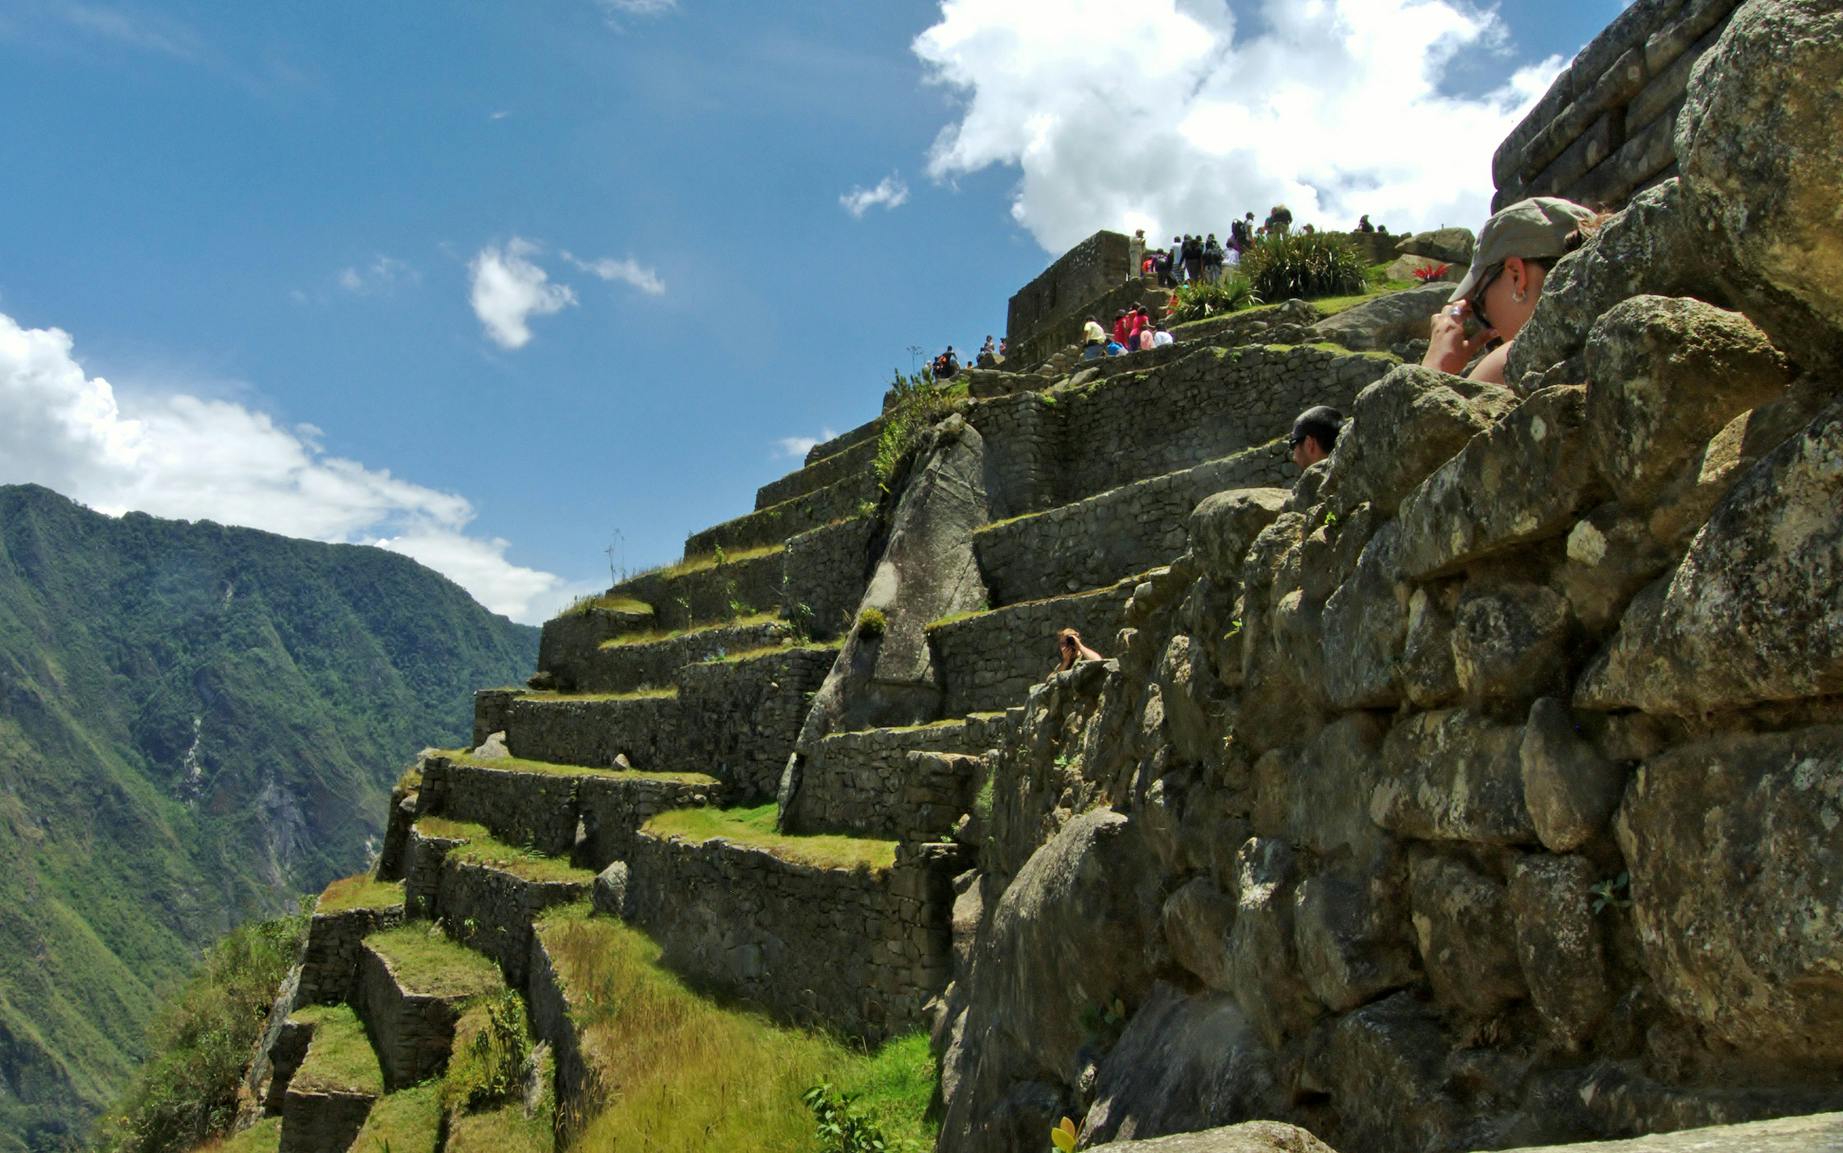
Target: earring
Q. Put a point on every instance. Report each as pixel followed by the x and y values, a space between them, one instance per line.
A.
pixel 1519 296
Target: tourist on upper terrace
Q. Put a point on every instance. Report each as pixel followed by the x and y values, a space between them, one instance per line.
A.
pixel 1122 326
pixel 1160 337
pixel 1315 435
pixel 1241 234
pixel 1212 259
pixel 1069 649
pixel 988 354
pixel 1364 225
pixel 1177 261
pixel 1136 322
pixel 946 364
pixel 1193 258
pixel 1279 221
pixel 1490 306
pixel 1093 339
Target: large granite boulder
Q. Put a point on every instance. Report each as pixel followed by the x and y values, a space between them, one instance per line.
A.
pixel 1226 523
pixel 1263 967
pixel 1762 167
pixel 1755 610
pixel 1570 788
pixel 1664 374
pixel 1385 321
pixel 1453 775
pixel 1453 245
pixel 1466 936
pixel 1560 945
pixel 1248 1137
pixel 1735 846
pixel 1405 426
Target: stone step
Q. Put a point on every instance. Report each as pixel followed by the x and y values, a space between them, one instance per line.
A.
pixel 828 470
pixel 567 638
pixel 587 814
pixel 988 661
pixel 803 918
pixel 331 1093
pixel 488 893
pixel 594 729
pixel 629 662
pixel 1072 442
pixel 840 500
pixel 904 784
pixel 1111 535
pixel 346 913
pixel 413 983
pixel 869 430
pixel 407 1121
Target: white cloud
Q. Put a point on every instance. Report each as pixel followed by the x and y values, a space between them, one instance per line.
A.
pixel 145 31
pixel 508 290
pixel 380 276
pixel 796 447
pixel 628 271
pixel 890 192
pixel 613 10
pixel 1334 107
pixel 173 454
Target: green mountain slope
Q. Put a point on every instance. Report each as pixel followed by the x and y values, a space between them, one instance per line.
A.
pixel 196 723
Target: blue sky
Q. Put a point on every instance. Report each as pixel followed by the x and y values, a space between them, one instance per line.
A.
pixel 505 285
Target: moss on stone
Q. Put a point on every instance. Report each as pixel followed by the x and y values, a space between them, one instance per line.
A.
pixel 339 1058
pixel 361 891
pixel 444 829
pixel 553 768
pixel 427 963
pixel 407 1121
pixel 754 828
pixel 645 693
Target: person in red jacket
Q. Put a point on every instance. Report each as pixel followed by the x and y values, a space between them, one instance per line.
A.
pixel 1122 327
pixel 1136 320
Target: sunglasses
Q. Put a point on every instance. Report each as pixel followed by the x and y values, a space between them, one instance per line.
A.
pixel 1477 299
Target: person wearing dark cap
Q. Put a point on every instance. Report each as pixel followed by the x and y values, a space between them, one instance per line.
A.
pixel 1315 434
pixel 1509 263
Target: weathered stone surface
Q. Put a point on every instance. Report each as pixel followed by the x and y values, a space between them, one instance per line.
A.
pixel 1510 641
pixel 1762 173
pixel 1453 774
pixel 1609 557
pixel 1341 761
pixel 1453 245
pixel 1570 789
pixel 609 893
pixel 1248 1137
pixel 1647 248
pixel 1224 525
pixel 1197 919
pixel 1348 929
pixel 1755 611
pixel 1263 965
pixel 1559 944
pixel 1405 426
pixel 1737 874
pixel 1183 1063
pixel 1385 1064
pixel 1365 625
pixel 1385 321
pixel 1466 935
pixel 1816 1133
pixel 1519 481
pixel 1664 375
pixel 1427 673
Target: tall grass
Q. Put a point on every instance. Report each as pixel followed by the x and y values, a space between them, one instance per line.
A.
pixel 1304 265
pixel 679 1073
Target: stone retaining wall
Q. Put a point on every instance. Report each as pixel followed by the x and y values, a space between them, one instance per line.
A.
pixel 593 732
pixel 989 662
pixel 491 909
pixel 747 715
pixel 623 668
pixel 809 510
pixel 1114 534
pixel 858 951
pixel 614 807
pixel 532 809
pixel 570 638
pixel 422 871
pixel 827 570
pixel 1604 129
pixel 335 941
pixel 490 712
pixel 861 782
pixel 1041 311
pixel 318 1122
pixel 412 1033
pixel 552 1024
pixel 844 440
pixel 829 470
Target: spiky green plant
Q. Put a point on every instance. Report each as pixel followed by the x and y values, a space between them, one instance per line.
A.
pixel 1304 265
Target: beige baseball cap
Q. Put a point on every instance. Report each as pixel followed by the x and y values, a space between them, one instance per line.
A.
pixel 1534 229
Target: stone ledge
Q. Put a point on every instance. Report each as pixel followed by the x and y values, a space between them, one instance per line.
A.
pixel 410 1008
pixel 590 730
pixel 620 665
pixel 990 660
pixel 837 501
pixel 491 906
pixel 865 783
pixel 818 474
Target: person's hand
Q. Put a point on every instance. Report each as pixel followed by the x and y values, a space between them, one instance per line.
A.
pixel 1448 347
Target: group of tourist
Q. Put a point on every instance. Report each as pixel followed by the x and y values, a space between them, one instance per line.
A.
pixel 1134 330
pixel 947 365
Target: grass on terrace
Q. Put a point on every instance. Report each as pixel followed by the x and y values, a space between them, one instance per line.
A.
pixel 755 828
pixel 407 1121
pixel 771 650
pixel 362 891
pixel 640 694
pixel 426 962
pixel 340 1057
pixel 653 636
pixel 480 848
pixel 265 1136
pixel 662 1052
pixel 698 564
pixel 505 1130
pixel 609 604
pixel 551 768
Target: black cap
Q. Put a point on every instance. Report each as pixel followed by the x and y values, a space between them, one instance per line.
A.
pixel 1321 423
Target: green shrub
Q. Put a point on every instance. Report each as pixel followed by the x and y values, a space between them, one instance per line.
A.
pixel 487 1064
pixel 1304 265
pixel 918 402
pixel 872 623
pixel 840 1125
pixel 186 1092
pixel 1203 298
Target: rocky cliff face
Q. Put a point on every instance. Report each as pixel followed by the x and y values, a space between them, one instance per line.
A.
pixel 1487 787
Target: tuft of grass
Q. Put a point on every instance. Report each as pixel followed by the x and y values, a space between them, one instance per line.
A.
pixel 644 693
pixel 445 829
pixel 786 646
pixel 552 768
pixel 656 1050
pixel 707 561
pixel 407 1121
pixel 654 636
pixel 480 848
pixel 1305 265
pixel 754 828
pixel 265 1136
pixel 505 1130
pixel 609 604
pixel 340 1057
pixel 486 1064
pixel 871 623
pixel 362 891
pixel 955 618
pixel 428 964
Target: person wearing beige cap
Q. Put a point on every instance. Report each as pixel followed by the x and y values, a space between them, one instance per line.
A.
pixel 1514 251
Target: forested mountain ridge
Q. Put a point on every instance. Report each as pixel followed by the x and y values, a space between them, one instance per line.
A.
pixel 196 723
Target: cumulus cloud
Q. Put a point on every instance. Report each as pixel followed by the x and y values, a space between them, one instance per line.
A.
pixel 796 447
pixel 1334 107
pixel 509 289
pixel 173 454
pixel 379 276
pixel 890 192
pixel 628 271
